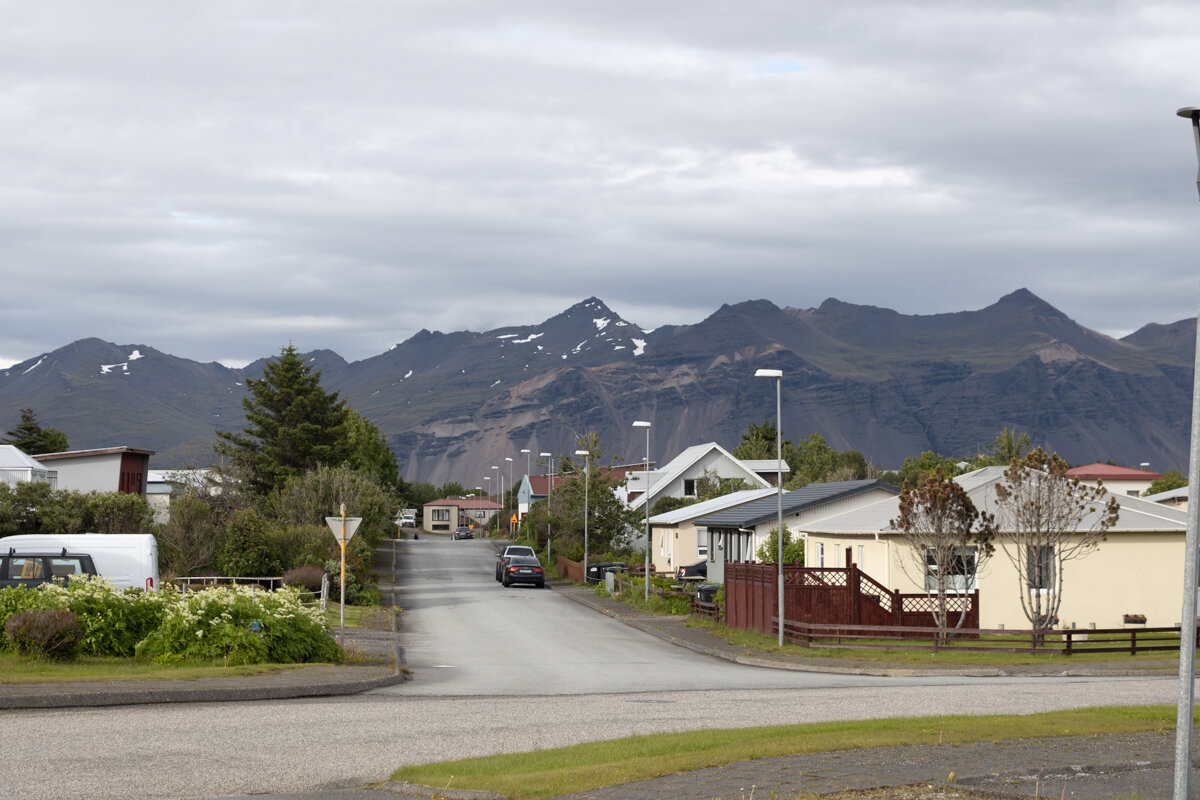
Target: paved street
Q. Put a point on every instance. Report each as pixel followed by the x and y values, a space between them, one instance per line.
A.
pixel 471 696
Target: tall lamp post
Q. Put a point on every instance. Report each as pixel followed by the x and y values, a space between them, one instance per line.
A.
pixel 1187 626
pixel 487 481
pixel 529 475
pixel 510 494
pixel 499 494
pixel 587 478
pixel 778 376
pixel 549 491
pixel 646 502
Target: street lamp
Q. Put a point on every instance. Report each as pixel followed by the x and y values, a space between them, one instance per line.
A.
pixel 499 493
pixel 487 481
pixel 646 503
pixel 529 475
pixel 510 491
pixel 587 478
pixel 777 374
pixel 549 491
pixel 1187 624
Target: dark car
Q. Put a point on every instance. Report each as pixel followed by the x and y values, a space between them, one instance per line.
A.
pixel 32 569
pixel 462 532
pixel 524 569
pixel 692 572
pixel 509 552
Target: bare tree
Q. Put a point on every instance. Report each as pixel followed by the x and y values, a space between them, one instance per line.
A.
pixel 1045 520
pixel 948 538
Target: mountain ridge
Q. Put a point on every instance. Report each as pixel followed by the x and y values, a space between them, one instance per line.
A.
pixel 864 377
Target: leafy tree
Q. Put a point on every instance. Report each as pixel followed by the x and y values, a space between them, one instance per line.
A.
pixel 926 464
pixel 610 522
pixel 369 451
pixel 318 493
pixel 118 512
pixel 1170 480
pixel 810 461
pixel 1045 519
pixel 187 541
pixel 710 486
pixel 32 439
pixel 292 425
pixel 946 535
pixel 793 548
pixel 247 547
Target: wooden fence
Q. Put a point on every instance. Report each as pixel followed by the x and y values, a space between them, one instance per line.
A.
pixel 829 596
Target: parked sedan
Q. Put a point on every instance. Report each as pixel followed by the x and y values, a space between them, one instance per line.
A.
pixel 524 569
pixel 462 532
pixel 509 552
pixel 693 572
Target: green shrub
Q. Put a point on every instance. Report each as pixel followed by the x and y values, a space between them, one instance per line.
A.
pixel 113 620
pixel 248 547
pixel 241 625
pixel 309 576
pixel 50 632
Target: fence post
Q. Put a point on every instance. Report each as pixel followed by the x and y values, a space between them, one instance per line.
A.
pixel 852 585
pixel 897 608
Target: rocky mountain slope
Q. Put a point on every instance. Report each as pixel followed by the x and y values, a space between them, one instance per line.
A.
pixel 888 384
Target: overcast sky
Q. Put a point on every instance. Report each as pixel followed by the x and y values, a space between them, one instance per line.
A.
pixel 217 179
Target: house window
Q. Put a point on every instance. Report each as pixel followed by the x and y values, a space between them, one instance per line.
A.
pixel 689 487
pixel 961 577
pixel 862 556
pixel 702 541
pixel 441 515
pixel 479 514
pixel 820 555
pixel 1039 566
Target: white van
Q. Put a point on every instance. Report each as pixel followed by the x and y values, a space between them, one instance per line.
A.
pixel 129 560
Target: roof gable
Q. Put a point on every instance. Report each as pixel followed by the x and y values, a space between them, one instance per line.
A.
pixel 795 501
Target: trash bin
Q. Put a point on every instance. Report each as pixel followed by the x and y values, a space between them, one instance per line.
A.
pixel 596 570
pixel 707 592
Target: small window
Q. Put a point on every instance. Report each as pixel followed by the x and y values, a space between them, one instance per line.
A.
pixel 689 487
pixel 441 515
pixel 27 568
pixel 702 541
pixel 820 554
pixel 1039 566
pixel 862 556
pixel 962 575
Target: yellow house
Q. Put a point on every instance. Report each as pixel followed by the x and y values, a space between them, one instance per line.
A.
pixel 679 541
pixel 1137 571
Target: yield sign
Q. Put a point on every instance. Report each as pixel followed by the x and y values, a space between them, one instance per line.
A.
pixel 335 525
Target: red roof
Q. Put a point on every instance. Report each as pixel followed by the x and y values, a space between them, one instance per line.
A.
pixel 467 502
pixel 1111 472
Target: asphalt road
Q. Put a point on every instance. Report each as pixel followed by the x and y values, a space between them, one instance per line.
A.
pixel 495 670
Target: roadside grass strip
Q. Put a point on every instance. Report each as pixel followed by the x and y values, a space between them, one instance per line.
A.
pixel 16 669
pixel 578 768
pixel 896 653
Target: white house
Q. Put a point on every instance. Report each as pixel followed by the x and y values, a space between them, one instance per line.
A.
pixel 16 467
pixel 678 477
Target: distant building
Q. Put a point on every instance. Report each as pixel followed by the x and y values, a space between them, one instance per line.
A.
pixel 110 469
pixel 1117 480
pixel 449 513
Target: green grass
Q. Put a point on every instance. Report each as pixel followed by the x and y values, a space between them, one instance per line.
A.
pixel 16 669
pixel 356 616
pixel 566 770
pixel 914 657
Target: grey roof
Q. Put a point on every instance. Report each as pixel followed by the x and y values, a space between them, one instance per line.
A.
pixel 1170 494
pixel 795 501
pixel 711 506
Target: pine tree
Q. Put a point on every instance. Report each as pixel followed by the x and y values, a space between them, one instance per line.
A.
pixel 32 439
pixel 292 425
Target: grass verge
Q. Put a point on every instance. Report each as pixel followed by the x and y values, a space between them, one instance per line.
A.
pixel 566 770
pixel 16 669
pixel 916 657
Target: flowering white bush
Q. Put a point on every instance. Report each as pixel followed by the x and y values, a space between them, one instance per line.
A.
pixel 238 624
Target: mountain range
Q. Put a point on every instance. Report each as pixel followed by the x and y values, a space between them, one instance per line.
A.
pixel 887 384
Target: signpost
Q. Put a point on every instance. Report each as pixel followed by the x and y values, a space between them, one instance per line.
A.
pixel 343 528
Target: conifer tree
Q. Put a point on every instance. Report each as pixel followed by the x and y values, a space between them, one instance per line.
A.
pixel 32 439
pixel 293 425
